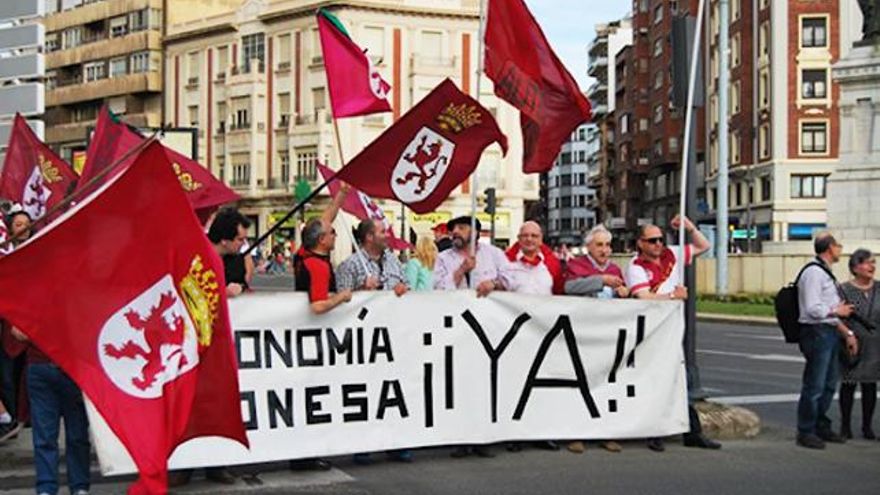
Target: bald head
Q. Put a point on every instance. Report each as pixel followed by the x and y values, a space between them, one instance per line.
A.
pixel 530 238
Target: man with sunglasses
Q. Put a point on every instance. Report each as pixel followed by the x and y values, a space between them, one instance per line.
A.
pixel 655 274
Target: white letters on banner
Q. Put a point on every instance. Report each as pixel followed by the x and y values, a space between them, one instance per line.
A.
pixel 432 368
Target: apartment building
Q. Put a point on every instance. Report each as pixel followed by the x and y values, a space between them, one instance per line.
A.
pixel 568 191
pixel 252 81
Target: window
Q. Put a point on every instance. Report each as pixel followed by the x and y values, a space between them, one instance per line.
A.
pixel 658 114
pixel 766 188
pixel 253 47
pixel 118 67
pixel 193 67
pixel 658 79
pixel 658 47
pixel 734 148
pixel 222 61
pixel 735 10
pixel 735 50
pixel 118 26
pixel 284 52
pixel 764 39
pixel 764 141
pixel 221 117
pixel 71 37
pixel 241 169
pixel 284 109
pixel 94 71
pixel 305 164
pixel 673 145
pixel 658 148
pixel 624 123
pixel 374 42
pixel 658 14
pixel 643 125
pixel 140 20
pixel 53 42
pixel 808 186
pixel 432 46
pixel 734 98
pixel 813 84
pixel 814 137
pixel 763 88
pixel 193 113
pixel 737 195
pixel 140 62
pixel 319 98
pixel 284 158
pixel 813 32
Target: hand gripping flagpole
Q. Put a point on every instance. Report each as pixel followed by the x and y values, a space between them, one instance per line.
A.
pixel 689 115
pixel 475 183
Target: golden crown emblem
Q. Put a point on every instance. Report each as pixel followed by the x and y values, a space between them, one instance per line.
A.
pixel 201 295
pixel 456 118
pixel 187 182
pixel 49 171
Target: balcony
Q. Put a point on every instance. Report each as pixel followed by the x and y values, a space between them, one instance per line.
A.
pixel 94 12
pixel 105 49
pixel 283 67
pixel 73 91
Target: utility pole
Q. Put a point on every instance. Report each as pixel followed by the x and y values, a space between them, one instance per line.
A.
pixel 490 209
pixel 721 208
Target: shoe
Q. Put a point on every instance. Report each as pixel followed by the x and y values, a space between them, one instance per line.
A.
pixel 810 441
pixel 846 432
pixel 179 478
pixel 483 452
pixel 362 459
pixel 700 441
pixel 404 456
pixel 514 447
pixel 220 475
pixel 547 445
pixel 656 444
pixel 868 433
pixel 460 452
pixel 611 446
pixel 830 437
pixel 310 465
pixel 576 447
pixel 9 431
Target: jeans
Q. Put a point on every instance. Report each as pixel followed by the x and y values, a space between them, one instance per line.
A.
pixel 53 395
pixel 7 382
pixel 819 344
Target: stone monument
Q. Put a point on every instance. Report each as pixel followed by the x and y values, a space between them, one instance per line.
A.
pixel 854 188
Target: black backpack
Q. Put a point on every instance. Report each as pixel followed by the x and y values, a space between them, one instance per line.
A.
pixel 788 308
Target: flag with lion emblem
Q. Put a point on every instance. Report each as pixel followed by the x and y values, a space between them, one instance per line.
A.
pixel 126 294
pixel 426 154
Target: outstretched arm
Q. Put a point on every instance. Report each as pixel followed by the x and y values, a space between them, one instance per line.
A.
pixel 330 213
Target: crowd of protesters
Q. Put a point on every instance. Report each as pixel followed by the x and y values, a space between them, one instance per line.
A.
pixel 837 336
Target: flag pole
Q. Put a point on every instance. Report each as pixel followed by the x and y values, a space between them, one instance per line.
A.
pixel 357 246
pixel 475 182
pixel 76 192
pixel 689 115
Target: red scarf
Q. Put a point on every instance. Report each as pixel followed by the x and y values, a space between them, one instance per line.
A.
pixel 550 261
pixel 658 273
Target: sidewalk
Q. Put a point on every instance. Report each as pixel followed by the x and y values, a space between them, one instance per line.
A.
pixel 725 318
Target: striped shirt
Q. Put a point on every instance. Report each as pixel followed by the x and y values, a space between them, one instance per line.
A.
pixel 351 273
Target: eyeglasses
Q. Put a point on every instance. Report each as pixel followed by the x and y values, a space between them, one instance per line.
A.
pixel 654 240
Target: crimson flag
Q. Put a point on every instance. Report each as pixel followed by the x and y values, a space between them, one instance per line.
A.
pixel 356 88
pixel 5 246
pixel 528 75
pixel 33 175
pixel 126 294
pixel 113 139
pixel 363 207
pixel 428 152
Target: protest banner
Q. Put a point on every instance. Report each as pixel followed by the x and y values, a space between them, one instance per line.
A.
pixel 441 368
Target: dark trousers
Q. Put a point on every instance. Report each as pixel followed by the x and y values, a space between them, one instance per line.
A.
pixel 9 376
pixel 53 396
pixel 819 344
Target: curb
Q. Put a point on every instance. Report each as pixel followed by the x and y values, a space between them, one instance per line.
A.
pixel 722 318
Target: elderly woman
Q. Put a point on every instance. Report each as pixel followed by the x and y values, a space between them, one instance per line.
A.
pixel 864 293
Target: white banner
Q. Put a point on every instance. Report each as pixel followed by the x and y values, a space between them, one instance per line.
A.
pixel 433 368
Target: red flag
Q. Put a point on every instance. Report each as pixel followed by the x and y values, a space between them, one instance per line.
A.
pixel 5 247
pixel 428 152
pixel 356 88
pixel 363 207
pixel 33 175
pixel 113 139
pixel 125 294
pixel 529 76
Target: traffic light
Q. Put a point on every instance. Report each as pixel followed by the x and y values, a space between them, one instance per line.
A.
pixel 490 200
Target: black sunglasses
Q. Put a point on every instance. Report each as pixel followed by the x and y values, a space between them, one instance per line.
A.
pixel 654 240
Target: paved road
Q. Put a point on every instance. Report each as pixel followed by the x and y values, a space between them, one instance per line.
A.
pixel 740 364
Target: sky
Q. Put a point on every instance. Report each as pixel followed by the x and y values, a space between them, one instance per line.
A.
pixel 570 27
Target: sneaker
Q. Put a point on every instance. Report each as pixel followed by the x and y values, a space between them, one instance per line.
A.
pixel 810 441
pixel 830 437
pixel 576 447
pixel 9 431
pixel 656 444
pixel 700 441
pixel 547 445
pixel 362 459
pixel 405 456
pixel 611 446
pixel 868 433
pixel 483 452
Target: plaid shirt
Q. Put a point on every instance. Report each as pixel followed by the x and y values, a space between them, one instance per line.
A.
pixel 351 275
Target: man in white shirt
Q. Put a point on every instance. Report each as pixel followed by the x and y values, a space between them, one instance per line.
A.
pixel 535 269
pixel 655 274
pixel 455 268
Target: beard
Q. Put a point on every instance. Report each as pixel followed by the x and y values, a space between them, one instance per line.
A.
pixel 458 242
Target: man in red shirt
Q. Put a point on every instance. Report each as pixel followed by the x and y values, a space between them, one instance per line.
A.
pixel 594 274
pixel 311 264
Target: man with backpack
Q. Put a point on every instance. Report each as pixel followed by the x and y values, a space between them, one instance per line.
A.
pixel 821 310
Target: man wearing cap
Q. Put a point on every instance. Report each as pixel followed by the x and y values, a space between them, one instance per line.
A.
pixel 485 271
pixel 441 237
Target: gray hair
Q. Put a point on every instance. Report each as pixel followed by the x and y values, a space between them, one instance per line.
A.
pixel 597 230
pixel 858 257
pixel 312 232
pixel 823 242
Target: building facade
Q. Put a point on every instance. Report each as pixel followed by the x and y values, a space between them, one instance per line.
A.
pixel 107 52
pixel 568 189
pixel 252 81
pixel 783 114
